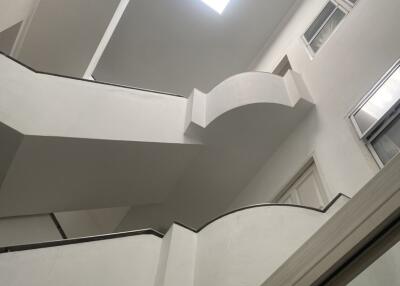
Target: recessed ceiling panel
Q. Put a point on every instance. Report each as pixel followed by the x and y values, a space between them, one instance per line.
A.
pixel 177 45
pixel 217 5
pixel 64 35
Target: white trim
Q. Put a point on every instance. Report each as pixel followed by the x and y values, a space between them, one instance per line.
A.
pixel 23 31
pixel 323 23
pixel 377 133
pixel 382 123
pixel 375 155
pixel 348 2
pixel 105 39
pixel 371 93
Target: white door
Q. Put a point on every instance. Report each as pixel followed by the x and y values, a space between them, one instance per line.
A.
pixel 307 190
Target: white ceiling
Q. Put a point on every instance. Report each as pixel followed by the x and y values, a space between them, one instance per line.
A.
pixel 178 45
pixel 64 35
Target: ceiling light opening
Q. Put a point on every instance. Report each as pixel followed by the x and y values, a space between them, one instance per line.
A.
pixel 217 5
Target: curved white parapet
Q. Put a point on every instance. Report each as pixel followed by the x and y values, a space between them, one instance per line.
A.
pixel 243 247
pixel 246 247
pixel 246 89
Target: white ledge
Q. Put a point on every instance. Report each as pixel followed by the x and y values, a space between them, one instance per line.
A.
pixel 246 89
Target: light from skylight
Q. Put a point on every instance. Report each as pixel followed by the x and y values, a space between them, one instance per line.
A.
pixel 217 5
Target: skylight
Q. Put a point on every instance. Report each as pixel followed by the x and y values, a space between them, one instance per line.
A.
pixel 217 5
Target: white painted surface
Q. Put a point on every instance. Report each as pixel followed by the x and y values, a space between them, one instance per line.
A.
pixel 64 114
pixel 140 217
pixel 245 247
pixel 263 110
pixel 163 258
pixel 245 89
pixel 8 37
pixel 238 249
pixel 12 12
pixel 81 174
pixel 384 271
pixel 63 35
pixel 338 77
pixel 154 48
pixel 306 190
pixel 52 106
pixel 105 39
pixel 28 229
pixel 178 258
pixel 121 261
pixel 364 215
pixel 91 222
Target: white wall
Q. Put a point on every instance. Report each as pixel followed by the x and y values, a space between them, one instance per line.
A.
pixel 120 261
pixel 352 60
pixel 12 12
pixel 178 257
pixel 28 229
pixel 62 36
pixel 245 247
pixel 155 216
pixel 384 271
pixel 91 222
pixel 238 249
pixel 52 106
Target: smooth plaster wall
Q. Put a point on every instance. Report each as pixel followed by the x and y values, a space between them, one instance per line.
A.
pixel 179 45
pixel 358 53
pixel 8 37
pixel 64 34
pixel 10 142
pixel 384 271
pixel 155 216
pixel 238 249
pixel 121 261
pixel 91 222
pixel 28 229
pixel 53 106
pixel 178 258
pixel 246 247
pixel 12 12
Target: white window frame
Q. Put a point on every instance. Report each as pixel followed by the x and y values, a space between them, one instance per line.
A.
pixel 350 3
pixel 344 5
pixel 376 133
pixel 380 125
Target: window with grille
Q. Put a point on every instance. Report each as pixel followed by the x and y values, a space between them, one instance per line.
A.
pixel 326 23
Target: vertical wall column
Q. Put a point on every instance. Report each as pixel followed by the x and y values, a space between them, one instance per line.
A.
pixel 177 258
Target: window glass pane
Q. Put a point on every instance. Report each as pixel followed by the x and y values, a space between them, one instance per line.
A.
pixel 312 30
pixel 387 144
pixel 384 98
pixel 327 30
